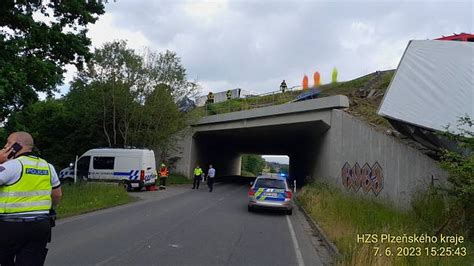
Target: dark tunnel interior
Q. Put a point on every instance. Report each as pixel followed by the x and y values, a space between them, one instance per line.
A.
pixel 224 148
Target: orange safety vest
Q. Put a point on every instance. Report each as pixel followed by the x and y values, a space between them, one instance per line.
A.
pixel 163 172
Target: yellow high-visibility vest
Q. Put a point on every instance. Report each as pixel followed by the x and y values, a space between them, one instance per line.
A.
pixel 197 171
pixel 32 192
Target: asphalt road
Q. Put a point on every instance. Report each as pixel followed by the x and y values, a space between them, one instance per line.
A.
pixel 181 226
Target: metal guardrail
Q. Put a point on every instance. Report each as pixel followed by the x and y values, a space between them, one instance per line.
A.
pixel 251 102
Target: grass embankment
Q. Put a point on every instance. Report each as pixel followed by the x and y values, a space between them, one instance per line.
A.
pixel 83 198
pixel 174 179
pixel 343 217
pixel 235 105
pixel 363 103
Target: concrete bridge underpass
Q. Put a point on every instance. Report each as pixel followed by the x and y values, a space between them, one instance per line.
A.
pixel 322 141
pixel 224 148
pixel 291 129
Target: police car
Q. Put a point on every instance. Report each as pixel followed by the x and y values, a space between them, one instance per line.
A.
pixel 270 192
pixel 132 168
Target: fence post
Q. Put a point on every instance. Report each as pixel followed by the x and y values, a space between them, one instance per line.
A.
pixel 75 171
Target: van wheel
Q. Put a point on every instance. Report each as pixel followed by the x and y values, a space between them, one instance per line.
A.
pixel 125 185
pixel 289 212
pixel 249 209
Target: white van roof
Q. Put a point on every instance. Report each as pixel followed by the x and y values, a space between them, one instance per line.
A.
pixel 116 151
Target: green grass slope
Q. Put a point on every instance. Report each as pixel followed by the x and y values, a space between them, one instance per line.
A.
pixel 365 95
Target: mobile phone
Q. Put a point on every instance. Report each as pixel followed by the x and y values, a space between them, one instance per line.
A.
pixel 16 148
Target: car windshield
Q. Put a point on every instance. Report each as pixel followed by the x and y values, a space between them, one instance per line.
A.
pixel 270 183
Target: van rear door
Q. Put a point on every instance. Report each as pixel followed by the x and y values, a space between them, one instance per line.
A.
pixel 127 167
pixel 149 167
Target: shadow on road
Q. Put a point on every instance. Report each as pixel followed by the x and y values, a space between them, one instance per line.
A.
pixel 237 179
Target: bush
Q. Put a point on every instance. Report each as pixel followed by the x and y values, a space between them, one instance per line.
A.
pixel 343 216
pixel 460 166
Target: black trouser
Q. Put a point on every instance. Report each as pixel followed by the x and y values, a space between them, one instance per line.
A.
pixel 210 183
pixel 197 180
pixel 162 181
pixel 24 243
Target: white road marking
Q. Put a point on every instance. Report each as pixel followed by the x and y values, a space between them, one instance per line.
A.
pixel 299 257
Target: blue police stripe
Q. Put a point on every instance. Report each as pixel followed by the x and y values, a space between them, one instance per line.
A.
pixel 122 173
pixel 134 175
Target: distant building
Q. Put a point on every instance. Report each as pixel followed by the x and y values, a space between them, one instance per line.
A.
pixel 462 37
pixel 222 96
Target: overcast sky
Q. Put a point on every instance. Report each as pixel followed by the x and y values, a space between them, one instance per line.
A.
pixel 277 158
pixel 254 45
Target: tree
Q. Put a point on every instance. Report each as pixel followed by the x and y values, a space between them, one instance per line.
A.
pixel 136 94
pixel 253 163
pixel 37 39
pixel 166 68
pixel 460 166
pixel 116 73
pixel 111 103
pixel 47 121
pixel 284 168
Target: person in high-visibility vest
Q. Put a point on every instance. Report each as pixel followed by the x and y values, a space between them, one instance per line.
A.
pixel 163 175
pixel 197 177
pixel 228 94
pixel 29 192
pixel 210 98
pixel 283 86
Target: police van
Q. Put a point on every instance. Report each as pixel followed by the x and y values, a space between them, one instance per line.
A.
pixel 132 168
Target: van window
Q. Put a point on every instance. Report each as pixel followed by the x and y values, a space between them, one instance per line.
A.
pixel 104 163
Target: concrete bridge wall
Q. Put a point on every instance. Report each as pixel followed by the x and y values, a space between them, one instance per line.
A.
pixel 403 170
pixel 322 141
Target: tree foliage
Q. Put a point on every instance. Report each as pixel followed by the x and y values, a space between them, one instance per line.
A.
pixel 136 94
pixel 48 122
pixel 460 166
pixel 115 101
pixel 37 39
pixel 253 163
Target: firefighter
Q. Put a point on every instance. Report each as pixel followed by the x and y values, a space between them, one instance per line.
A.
pixel 228 94
pixel 283 86
pixel 163 175
pixel 210 98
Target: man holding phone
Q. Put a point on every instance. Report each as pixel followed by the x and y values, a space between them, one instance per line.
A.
pixel 29 189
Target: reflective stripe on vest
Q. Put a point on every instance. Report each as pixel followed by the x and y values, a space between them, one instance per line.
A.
pixel 163 173
pixel 32 192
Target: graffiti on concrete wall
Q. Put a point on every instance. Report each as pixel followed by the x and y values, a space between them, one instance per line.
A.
pixel 366 177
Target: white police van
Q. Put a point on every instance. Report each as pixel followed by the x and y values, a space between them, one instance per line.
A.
pixel 132 168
